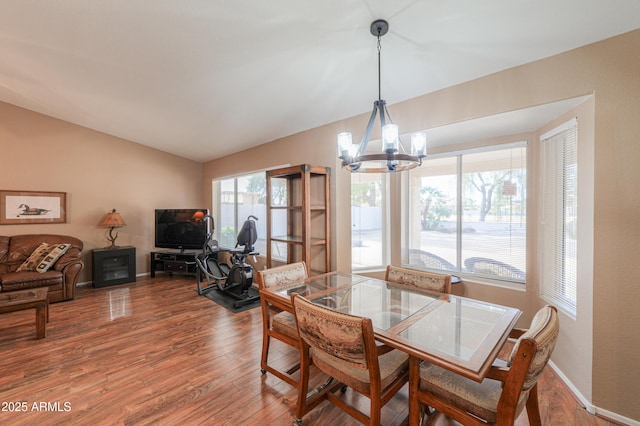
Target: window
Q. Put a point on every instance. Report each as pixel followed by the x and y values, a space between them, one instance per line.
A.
pixel 237 198
pixel 559 213
pixel 467 213
pixel 368 219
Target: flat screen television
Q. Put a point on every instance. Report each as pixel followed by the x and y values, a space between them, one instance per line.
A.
pixel 182 229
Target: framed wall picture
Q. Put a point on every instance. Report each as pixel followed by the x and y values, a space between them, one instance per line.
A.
pixel 25 207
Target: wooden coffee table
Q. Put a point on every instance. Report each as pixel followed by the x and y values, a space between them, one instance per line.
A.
pixel 27 299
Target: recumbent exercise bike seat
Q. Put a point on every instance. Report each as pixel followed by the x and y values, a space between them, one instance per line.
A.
pixel 237 277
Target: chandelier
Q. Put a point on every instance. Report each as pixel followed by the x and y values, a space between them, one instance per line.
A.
pixel 393 157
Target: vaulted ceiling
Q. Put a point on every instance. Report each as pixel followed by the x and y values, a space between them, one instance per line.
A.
pixel 206 78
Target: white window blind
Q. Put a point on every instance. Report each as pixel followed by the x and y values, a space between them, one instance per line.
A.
pixel 558 242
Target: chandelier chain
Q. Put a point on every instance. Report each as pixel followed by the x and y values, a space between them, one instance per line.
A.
pixel 379 67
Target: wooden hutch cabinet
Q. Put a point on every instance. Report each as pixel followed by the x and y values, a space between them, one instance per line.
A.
pixel 298 217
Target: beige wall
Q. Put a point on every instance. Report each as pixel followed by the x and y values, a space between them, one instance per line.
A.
pixel 98 172
pixel 610 70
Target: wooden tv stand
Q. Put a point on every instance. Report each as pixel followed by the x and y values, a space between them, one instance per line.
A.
pixel 173 262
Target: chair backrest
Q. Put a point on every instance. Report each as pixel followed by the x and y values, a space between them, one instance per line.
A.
pixel 346 338
pixel 543 332
pixel 421 279
pixel 528 358
pixel 284 274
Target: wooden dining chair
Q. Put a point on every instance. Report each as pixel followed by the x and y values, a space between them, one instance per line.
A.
pixel 276 323
pixel 421 279
pixel 343 347
pixel 503 394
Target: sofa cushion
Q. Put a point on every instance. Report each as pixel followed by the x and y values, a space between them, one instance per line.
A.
pixel 44 257
pixel 54 253
pixel 35 258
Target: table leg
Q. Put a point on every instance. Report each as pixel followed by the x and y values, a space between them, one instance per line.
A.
pixel 414 382
pixel 41 321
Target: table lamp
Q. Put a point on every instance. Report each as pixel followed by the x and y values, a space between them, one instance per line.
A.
pixel 112 220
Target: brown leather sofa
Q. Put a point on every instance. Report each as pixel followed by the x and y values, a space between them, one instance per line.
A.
pixel 61 278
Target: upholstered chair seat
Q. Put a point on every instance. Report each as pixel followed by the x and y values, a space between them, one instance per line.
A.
pixel 392 364
pixel 479 399
pixel 284 322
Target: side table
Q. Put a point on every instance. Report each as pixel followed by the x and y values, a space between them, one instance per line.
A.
pixel 112 266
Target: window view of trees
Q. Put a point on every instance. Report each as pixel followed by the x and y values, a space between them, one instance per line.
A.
pixel 491 238
pixel 486 183
pixel 238 198
pixel 434 208
pixel 366 194
pixel 257 184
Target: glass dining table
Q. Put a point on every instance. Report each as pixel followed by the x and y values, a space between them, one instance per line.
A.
pixel 457 333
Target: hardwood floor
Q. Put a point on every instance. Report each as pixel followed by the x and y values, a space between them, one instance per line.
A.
pixel 154 352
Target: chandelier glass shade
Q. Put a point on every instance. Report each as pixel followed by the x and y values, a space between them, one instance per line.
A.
pixel 392 156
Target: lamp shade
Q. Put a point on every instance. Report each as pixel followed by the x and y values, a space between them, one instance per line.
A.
pixel 112 220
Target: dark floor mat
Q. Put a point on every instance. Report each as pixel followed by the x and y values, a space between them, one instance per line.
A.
pixel 223 298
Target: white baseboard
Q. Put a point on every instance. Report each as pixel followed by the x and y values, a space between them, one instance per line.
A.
pixel 592 409
pixel 617 417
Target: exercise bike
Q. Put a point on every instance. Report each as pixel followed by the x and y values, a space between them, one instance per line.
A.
pixel 235 280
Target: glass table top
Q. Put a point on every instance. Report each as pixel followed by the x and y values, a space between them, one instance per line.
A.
pixel 458 327
pixel 386 304
pixel 318 284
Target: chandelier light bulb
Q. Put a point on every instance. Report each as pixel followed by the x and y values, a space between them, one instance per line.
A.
pixel 344 144
pixel 390 138
pixel 419 144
